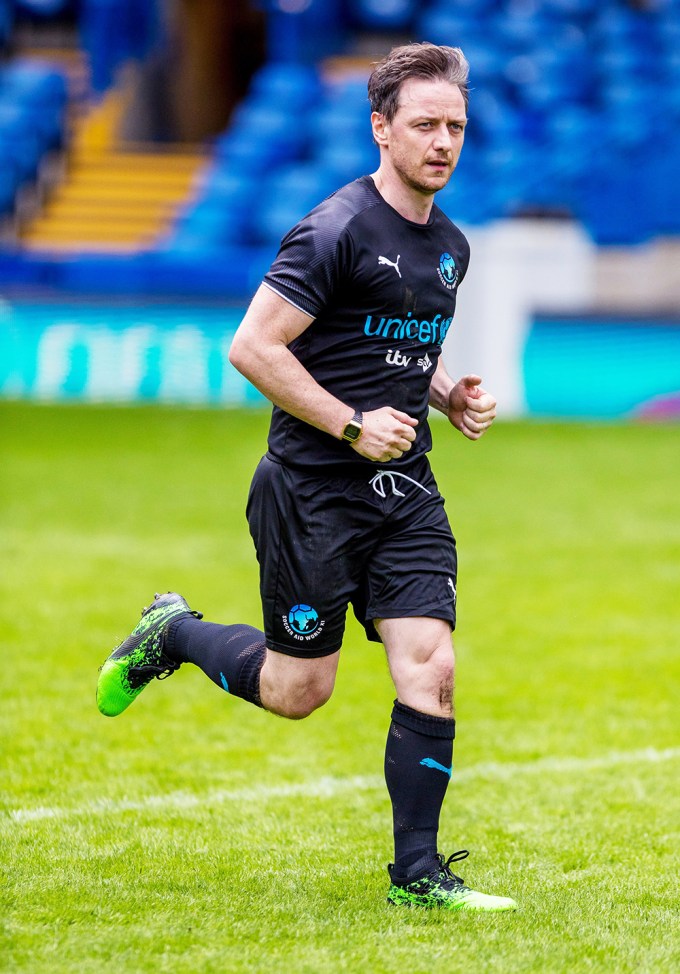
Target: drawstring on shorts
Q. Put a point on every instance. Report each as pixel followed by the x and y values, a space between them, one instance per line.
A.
pixel 377 482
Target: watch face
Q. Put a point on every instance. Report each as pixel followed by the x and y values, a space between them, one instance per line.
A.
pixel 352 431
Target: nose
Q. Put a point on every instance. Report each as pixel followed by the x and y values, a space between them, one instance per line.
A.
pixel 442 138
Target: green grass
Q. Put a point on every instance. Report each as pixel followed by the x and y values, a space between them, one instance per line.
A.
pixel 195 834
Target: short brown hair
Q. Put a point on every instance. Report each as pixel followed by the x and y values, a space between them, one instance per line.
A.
pixel 421 60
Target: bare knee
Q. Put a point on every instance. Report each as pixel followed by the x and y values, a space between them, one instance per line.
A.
pixel 295 688
pixel 443 679
pixel 426 683
pixel 301 702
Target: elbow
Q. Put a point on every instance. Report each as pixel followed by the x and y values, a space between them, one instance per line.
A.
pixel 247 360
pixel 237 355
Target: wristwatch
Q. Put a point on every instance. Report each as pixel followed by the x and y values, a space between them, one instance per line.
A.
pixel 354 428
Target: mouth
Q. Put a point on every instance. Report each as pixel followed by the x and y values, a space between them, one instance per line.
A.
pixel 438 165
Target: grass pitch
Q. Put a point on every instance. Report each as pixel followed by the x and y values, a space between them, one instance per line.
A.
pixel 196 834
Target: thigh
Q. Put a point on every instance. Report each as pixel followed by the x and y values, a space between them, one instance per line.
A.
pixel 308 539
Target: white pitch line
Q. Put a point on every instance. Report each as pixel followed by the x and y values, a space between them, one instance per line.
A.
pixel 328 787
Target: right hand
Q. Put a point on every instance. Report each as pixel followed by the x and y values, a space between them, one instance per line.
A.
pixel 386 435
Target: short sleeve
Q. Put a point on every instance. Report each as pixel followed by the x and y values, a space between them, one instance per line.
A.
pixel 315 256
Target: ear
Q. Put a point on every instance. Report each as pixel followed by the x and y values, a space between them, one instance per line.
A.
pixel 381 129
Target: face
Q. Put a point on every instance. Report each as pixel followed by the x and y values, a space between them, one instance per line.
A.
pixel 425 137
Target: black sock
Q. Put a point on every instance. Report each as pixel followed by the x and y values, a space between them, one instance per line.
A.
pixel 232 656
pixel 418 765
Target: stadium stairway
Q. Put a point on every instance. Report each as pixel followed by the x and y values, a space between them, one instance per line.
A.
pixel 110 198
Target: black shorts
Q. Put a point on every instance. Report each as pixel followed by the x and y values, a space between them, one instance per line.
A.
pixel 381 543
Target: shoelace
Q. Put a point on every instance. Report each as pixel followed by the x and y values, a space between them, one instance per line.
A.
pixel 137 675
pixel 378 486
pixel 140 675
pixel 446 864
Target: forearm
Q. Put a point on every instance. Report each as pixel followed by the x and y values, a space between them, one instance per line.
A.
pixel 278 375
pixel 260 351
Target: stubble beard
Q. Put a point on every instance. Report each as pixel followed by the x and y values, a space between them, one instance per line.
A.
pixel 423 185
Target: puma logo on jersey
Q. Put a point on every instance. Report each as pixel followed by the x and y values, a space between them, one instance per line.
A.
pixel 391 263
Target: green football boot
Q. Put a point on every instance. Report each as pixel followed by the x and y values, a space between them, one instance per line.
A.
pixel 438 887
pixel 140 657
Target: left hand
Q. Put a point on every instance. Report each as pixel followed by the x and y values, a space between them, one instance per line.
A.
pixel 472 409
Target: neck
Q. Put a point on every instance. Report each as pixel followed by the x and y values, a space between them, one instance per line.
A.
pixel 407 201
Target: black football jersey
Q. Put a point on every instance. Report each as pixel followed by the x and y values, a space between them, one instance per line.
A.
pixel 382 292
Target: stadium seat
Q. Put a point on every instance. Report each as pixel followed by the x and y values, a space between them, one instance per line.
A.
pixel 32 81
pixel 6 22
pixel 465 200
pixel 32 114
pixel 567 98
pixel 469 8
pixel 10 181
pixel 20 141
pixel 42 8
pixel 451 27
pixel 113 31
pixel 293 86
pixel 383 14
pixel 663 193
pixel 262 137
pixel 287 196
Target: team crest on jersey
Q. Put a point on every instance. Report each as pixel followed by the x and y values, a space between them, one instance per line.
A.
pixel 448 272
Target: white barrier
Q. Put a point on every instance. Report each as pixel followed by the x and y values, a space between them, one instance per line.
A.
pixel 517 267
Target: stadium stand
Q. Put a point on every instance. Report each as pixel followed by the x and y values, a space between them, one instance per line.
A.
pixel 32 116
pixel 575 114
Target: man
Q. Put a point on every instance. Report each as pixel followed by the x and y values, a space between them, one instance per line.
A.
pixel 344 337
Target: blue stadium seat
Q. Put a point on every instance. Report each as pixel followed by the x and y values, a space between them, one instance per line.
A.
pixel 468 8
pixel 339 125
pixel 261 133
pixel 575 106
pixel 286 197
pixel 493 118
pixel 6 22
pixel 661 172
pixel 572 8
pixel 304 31
pixel 42 8
pixel 206 224
pixel 32 106
pixel 451 27
pixel 33 82
pixel 220 213
pixel 383 14
pixel 518 30
pixel 293 86
pixel 10 181
pixel 487 64
pixel 464 199
pixel 113 31
pixel 20 141
pixel 614 202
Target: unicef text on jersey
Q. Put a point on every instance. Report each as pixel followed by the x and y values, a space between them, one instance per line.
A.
pixel 425 331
